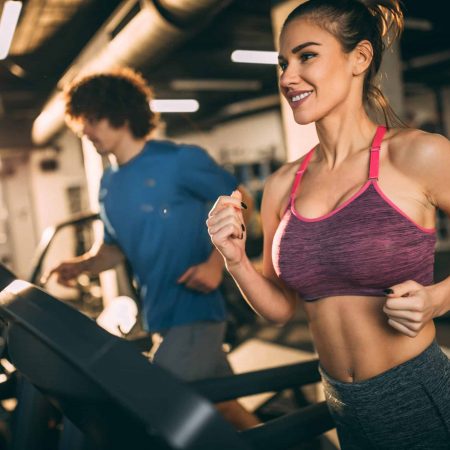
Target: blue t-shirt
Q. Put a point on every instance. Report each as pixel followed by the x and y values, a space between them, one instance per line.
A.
pixel 154 208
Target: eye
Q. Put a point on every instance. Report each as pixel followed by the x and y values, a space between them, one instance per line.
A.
pixel 307 56
pixel 282 65
pixel 92 121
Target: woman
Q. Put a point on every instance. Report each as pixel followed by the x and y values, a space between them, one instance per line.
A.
pixel 349 229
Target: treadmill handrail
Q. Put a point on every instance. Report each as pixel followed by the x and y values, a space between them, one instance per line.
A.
pixel 76 339
pixel 146 392
pixel 48 236
pixel 287 431
pixel 258 381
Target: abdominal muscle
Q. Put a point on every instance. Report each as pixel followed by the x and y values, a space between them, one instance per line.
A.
pixel 354 340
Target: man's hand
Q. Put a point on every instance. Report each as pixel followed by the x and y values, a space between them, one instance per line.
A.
pixel 203 277
pixel 67 272
pixel 96 260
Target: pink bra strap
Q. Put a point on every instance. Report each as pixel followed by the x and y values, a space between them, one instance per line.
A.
pixel 374 165
pixel 300 172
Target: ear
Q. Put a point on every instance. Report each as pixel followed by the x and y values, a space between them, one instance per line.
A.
pixel 362 57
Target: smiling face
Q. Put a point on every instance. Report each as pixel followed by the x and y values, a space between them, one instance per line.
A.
pixel 317 77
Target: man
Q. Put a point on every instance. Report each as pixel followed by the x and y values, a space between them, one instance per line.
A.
pixel 153 205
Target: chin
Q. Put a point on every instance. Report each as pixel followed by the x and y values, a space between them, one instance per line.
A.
pixel 101 151
pixel 100 148
pixel 303 120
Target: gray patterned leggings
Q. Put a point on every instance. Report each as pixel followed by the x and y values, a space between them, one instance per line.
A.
pixel 405 408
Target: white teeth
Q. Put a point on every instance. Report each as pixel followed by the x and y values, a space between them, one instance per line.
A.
pixel 301 96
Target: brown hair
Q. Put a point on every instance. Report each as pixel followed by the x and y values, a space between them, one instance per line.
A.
pixel 351 21
pixel 120 96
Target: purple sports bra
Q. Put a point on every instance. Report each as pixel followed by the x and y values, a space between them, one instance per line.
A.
pixel 362 247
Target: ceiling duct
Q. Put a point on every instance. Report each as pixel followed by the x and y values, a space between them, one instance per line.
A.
pixel 187 13
pixel 150 35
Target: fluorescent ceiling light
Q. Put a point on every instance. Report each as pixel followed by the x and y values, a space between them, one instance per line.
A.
pixel 251 105
pixel 215 85
pixel 415 23
pixel 254 57
pixel 427 60
pixel 8 23
pixel 15 69
pixel 174 106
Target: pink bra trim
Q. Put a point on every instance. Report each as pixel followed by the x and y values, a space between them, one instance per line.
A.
pixel 374 167
pixel 394 206
pixel 300 172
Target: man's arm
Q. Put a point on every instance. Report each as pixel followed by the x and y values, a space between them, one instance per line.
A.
pixel 96 260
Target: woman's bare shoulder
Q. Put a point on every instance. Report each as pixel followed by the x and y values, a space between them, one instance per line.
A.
pixel 424 157
pixel 413 149
pixel 285 175
pixel 414 144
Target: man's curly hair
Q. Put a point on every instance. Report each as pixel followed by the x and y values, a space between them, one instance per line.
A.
pixel 120 96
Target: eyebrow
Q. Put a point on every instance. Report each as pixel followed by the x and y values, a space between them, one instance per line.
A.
pixel 300 47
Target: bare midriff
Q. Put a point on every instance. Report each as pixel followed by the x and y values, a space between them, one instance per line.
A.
pixel 354 340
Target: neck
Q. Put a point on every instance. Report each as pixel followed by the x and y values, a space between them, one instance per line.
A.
pixel 341 136
pixel 127 148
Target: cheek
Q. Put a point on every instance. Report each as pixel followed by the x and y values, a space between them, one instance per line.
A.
pixel 107 137
pixel 330 76
pixel 334 84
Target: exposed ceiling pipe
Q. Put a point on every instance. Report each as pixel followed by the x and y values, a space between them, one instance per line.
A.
pixel 187 13
pixel 155 30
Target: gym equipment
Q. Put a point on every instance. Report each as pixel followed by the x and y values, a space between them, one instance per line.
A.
pixel 6 277
pixel 33 412
pixel 8 381
pixel 117 398
pixel 48 237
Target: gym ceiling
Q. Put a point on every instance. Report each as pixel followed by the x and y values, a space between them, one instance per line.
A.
pixel 192 41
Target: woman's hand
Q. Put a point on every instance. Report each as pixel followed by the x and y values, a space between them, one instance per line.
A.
pixel 226 227
pixel 409 307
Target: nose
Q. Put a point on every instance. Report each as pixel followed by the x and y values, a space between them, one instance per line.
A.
pixel 289 77
pixel 86 128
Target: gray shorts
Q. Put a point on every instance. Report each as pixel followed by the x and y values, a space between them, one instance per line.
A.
pixel 192 352
pixel 405 408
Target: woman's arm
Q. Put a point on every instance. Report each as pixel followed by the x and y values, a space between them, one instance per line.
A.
pixel 264 292
pixel 411 306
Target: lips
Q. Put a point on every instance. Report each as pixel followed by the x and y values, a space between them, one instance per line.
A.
pixel 298 97
pixel 301 96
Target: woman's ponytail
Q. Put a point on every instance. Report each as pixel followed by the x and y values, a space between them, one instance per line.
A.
pixel 389 15
pixel 389 20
